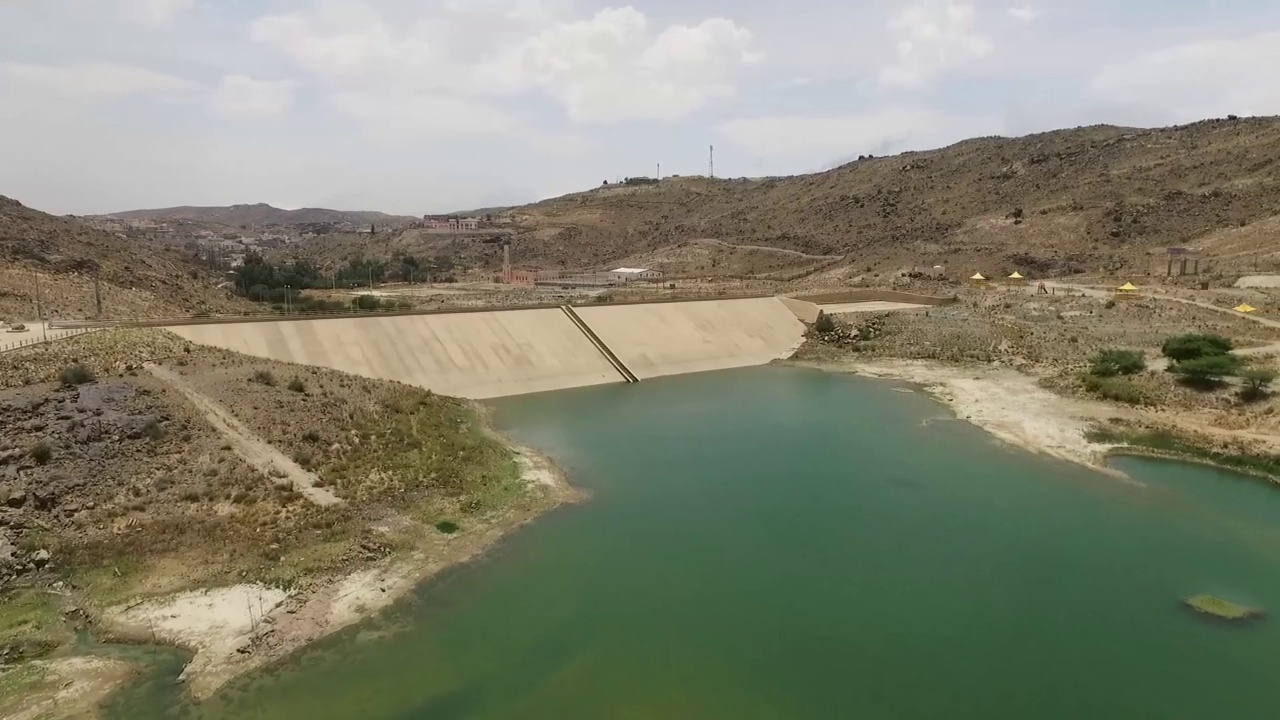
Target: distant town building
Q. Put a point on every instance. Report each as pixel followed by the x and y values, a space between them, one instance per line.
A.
pixel 450 223
pixel 626 274
pixel 531 277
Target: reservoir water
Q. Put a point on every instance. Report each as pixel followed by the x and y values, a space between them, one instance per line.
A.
pixel 778 543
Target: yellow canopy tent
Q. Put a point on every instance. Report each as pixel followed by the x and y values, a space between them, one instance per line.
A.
pixel 1246 308
pixel 1127 291
pixel 1016 276
pixel 978 281
pixel 977 277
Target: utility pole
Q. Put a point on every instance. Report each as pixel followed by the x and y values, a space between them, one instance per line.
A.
pixel 659 171
pixel 40 309
pixel 288 299
pixel 711 163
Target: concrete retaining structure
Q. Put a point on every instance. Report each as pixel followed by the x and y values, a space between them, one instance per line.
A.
pixel 678 338
pixel 512 352
pixel 474 355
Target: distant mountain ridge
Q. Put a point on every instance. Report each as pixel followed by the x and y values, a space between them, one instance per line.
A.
pixel 264 214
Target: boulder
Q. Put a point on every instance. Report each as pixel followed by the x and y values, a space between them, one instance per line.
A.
pixel 40 558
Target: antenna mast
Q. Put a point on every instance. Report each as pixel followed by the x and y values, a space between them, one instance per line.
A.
pixel 711 164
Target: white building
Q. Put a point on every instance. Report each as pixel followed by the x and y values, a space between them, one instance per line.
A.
pixel 632 274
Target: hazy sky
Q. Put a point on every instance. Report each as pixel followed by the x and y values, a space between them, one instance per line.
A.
pixel 416 106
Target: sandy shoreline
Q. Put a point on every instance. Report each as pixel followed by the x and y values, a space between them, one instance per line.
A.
pixel 234 630
pixel 1002 401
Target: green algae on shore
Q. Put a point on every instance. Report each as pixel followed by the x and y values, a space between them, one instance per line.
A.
pixel 1222 609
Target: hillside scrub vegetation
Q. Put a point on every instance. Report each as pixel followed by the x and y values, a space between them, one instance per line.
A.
pixel 129 451
pixel 1112 362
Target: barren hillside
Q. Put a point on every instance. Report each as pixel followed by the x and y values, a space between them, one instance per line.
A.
pixel 1097 199
pixel 136 280
pixel 263 214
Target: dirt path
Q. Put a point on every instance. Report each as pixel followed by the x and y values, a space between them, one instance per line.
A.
pixel 258 453
pixel 764 248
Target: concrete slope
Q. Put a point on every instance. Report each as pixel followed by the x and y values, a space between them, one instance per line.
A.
pixel 473 355
pixel 687 337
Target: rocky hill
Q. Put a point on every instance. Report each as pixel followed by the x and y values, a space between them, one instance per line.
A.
pixel 136 280
pixel 260 214
pixel 1092 199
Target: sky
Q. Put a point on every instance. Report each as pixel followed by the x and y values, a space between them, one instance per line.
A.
pixel 422 106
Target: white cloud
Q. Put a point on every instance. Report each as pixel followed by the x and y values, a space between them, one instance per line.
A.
pixel 1196 80
pixel 93 81
pixel 606 68
pixel 402 116
pixel 243 97
pixel 807 141
pixel 1023 13
pixel 155 13
pixel 933 38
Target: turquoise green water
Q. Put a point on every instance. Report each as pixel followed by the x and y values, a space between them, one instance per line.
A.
pixel 779 543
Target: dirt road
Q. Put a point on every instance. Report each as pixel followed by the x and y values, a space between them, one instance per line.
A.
pixel 260 454
pixel 1273 348
pixel 763 248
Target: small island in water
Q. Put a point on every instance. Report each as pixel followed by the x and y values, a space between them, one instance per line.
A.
pixel 1222 609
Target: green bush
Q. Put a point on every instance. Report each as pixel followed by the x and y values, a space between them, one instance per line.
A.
pixel 824 323
pixel 1113 362
pixel 297 385
pixel 1207 370
pixel 367 302
pixel 264 377
pixel 41 452
pixel 76 374
pixel 1257 383
pixel 1195 345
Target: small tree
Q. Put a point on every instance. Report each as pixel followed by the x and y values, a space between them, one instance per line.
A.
pixel 1113 362
pixel 1208 370
pixel 1257 383
pixel 824 323
pixel 75 374
pixel 1195 345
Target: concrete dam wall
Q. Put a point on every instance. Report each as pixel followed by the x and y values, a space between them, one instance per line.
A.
pixel 678 338
pixel 491 354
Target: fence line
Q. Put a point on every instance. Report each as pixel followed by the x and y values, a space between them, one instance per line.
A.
pixel 40 338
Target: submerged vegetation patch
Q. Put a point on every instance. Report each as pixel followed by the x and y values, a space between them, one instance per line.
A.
pixel 447 527
pixel 1222 609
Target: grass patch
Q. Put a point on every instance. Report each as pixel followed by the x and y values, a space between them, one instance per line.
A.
pixel 1165 442
pixel 18 684
pixel 417 448
pixel 447 527
pixel 30 623
pixel 1222 609
pixel 1116 389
